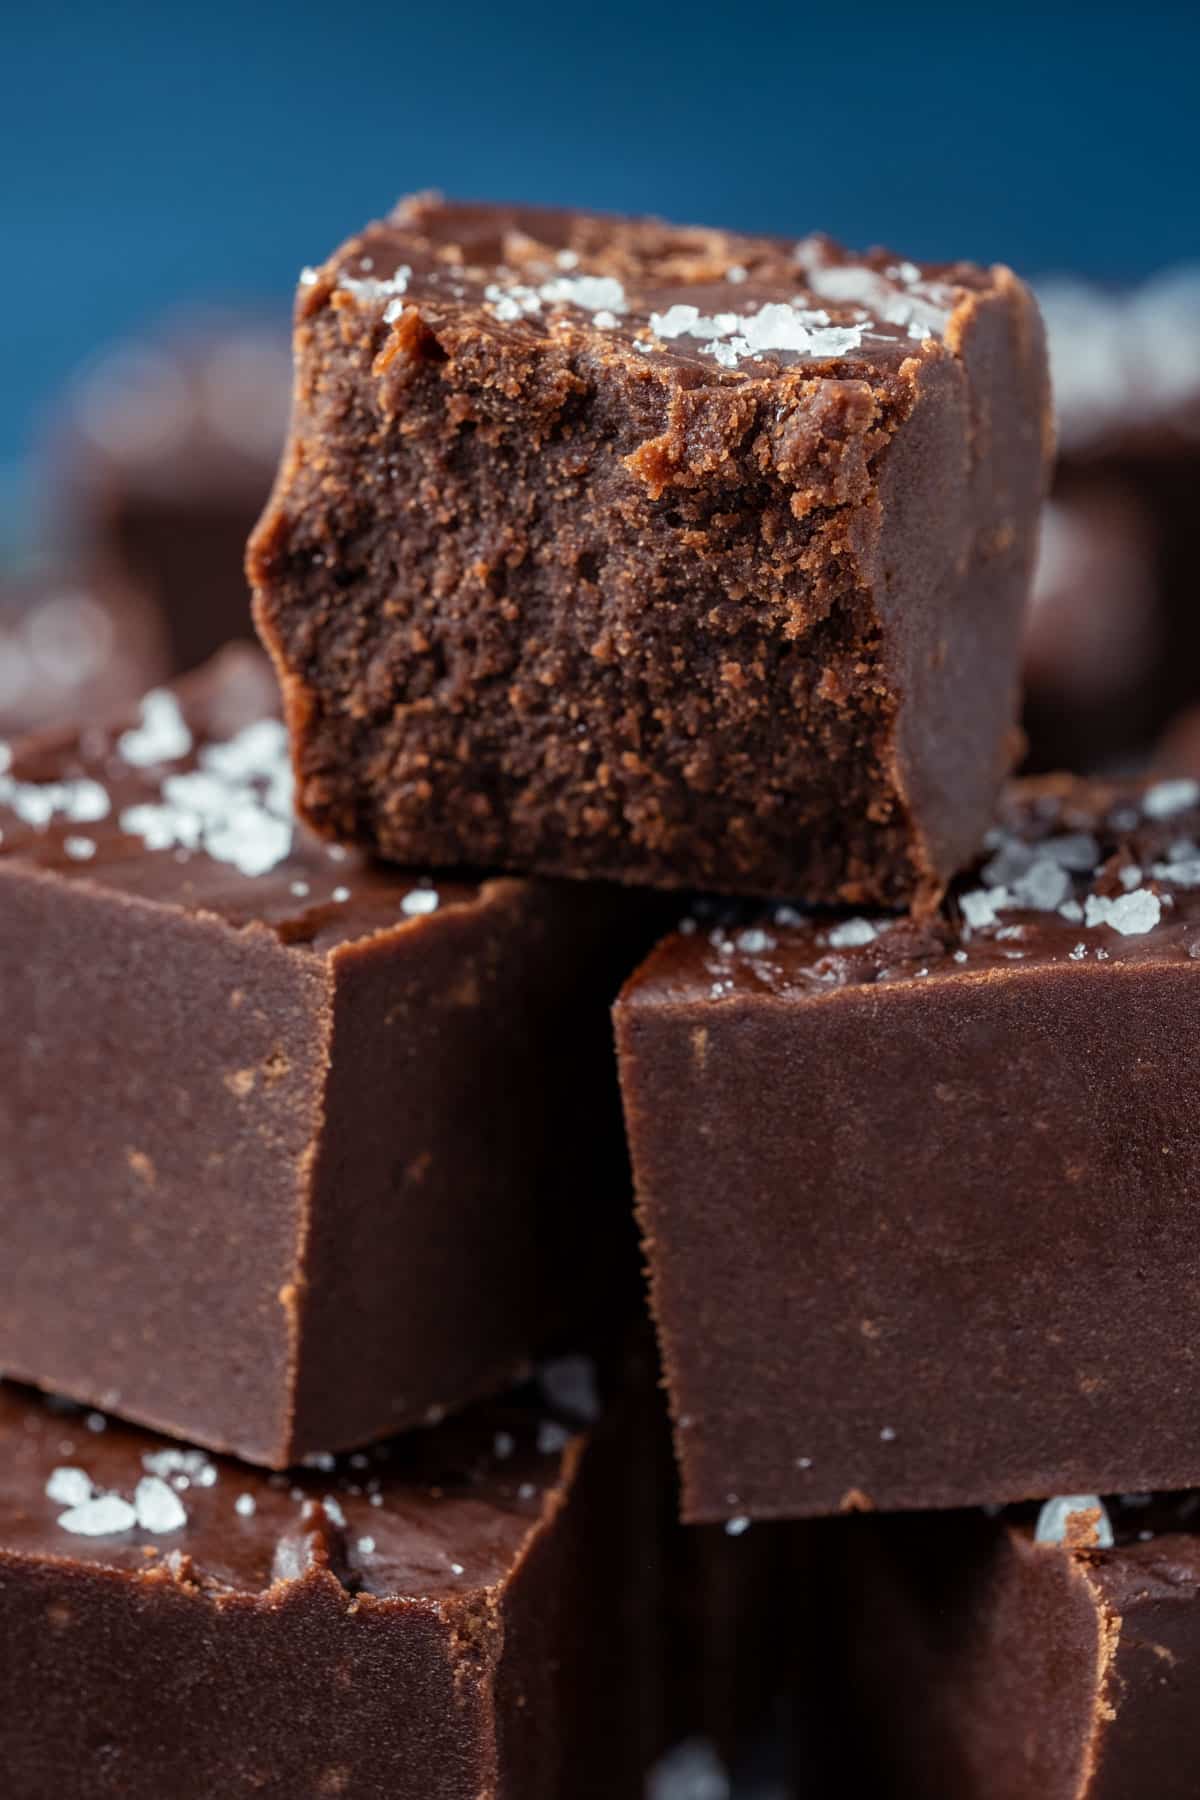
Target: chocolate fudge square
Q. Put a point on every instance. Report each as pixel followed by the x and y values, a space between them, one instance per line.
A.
pixel 603 547
pixel 293 1149
pixel 1052 1656
pixel 918 1199
pixel 164 452
pixel 467 1613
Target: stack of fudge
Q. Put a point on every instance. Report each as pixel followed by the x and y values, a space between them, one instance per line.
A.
pixel 644 611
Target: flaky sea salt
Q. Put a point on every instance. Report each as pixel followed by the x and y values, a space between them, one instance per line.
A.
pixel 366 1546
pixel 690 1771
pixel 569 1383
pixel 735 1527
pixel 245 1506
pixel 182 1468
pixel 104 1516
pixel 551 1437
pixel 1166 798
pixel 1055 1514
pixel 158 1507
pixel 161 736
pixel 851 933
pixel 419 901
pixel 1128 914
pixel 69 1486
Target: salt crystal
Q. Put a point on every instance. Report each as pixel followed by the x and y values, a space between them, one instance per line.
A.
pixel 551 1437
pixel 851 933
pixel 526 1491
pixel 181 1466
pixel 96 1421
pixel 158 1507
pixel 69 1487
pixel 104 1516
pixel 1072 911
pixel 162 736
pixel 735 1527
pixel 308 277
pixel 366 1546
pixel 419 901
pixel 1130 877
pixel 333 1509
pixel 245 1506
pixel 690 1771
pixel 736 273
pixel 324 1460
pixel 980 907
pixel 79 849
pixel 569 1383
pixel 503 1445
pixel 888 1434
pixel 594 293
pixel 1044 886
pixel 456 1568
pixel 341 895
pixel 754 942
pixel 1166 798
pixel 1054 1516
pixel 1129 914
pixel 300 889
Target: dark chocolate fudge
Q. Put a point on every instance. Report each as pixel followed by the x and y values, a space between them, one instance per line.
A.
pixel 918 1198
pixel 292 1148
pixel 1113 644
pixel 72 649
pixel 606 547
pixel 165 451
pixel 1042 1658
pixel 469 1613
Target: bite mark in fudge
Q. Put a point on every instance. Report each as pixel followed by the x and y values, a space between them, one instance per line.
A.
pixel 676 556
pixel 917 1198
pixel 464 1614
pixel 289 1143
pixel 994 1662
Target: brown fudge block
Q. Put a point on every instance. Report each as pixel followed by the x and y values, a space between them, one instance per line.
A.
pixel 605 547
pixel 1112 641
pixel 73 649
pixel 468 1613
pixel 992 1661
pixel 918 1199
pixel 165 450
pixel 292 1148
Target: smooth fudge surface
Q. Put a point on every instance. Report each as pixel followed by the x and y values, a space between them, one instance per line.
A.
pixel 671 555
pixel 989 1664
pixel 166 446
pixel 918 1200
pixel 293 1148
pixel 466 1613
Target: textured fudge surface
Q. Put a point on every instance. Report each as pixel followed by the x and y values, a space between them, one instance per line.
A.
pixel 671 555
pixel 992 1666
pixel 917 1199
pixel 288 1142
pixel 437 1617
pixel 73 650
pixel 166 448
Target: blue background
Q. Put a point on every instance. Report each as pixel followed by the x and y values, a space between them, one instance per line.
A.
pixel 155 154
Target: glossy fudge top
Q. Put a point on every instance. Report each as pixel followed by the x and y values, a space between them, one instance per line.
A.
pixel 1074 872
pixel 719 305
pixel 189 804
pixel 436 1513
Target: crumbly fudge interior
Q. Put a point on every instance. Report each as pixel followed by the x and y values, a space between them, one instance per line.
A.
pixel 545 571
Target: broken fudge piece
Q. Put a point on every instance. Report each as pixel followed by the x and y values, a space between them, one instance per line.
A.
pixel 606 547
pixel 1112 641
pixel 292 1148
pixel 72 649
pixel 469 1613
pixel 166 449
pixel 1044 1655
pixel 917 1198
